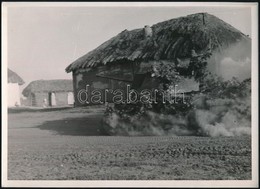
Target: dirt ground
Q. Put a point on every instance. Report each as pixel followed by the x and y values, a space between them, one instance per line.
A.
pixel 69 144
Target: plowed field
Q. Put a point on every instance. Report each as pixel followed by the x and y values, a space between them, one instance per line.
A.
pixel 70 144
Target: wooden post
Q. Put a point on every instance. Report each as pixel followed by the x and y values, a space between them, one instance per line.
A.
pixel 203 18
pixel 133 68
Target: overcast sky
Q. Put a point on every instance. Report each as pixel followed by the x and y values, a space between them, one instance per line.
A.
pixel 42 41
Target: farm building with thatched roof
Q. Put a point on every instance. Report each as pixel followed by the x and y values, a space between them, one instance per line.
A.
pixel 128 58
pixel 49 93
pixel 14 83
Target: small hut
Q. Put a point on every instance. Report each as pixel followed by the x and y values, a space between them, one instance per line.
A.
pixel 14 94
pixel 128 58
pixel 49 93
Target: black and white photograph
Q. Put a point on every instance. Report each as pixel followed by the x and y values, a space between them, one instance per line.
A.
pixel 127 94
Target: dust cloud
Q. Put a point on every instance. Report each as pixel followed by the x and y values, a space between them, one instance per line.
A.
pixel 232 61
pixel 222 117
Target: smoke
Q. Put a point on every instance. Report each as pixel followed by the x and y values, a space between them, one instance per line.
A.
pixel 149 124
pixel 231 68
pixel 232 61
pixel 229 124
pixel 223 117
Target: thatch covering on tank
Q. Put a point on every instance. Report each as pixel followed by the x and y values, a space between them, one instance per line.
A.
pixel 60 85
pixel 170 40
pixel 14 77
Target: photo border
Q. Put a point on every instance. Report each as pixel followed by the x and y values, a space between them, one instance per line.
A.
pixel 131 183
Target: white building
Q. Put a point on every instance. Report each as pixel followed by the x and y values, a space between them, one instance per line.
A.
pixel 14 94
